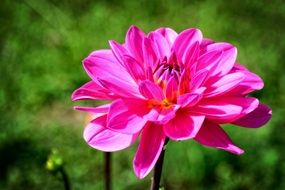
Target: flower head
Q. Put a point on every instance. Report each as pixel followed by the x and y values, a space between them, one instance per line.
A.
pixel 167 85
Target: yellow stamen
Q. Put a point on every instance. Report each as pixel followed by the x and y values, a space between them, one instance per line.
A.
pixel 164 104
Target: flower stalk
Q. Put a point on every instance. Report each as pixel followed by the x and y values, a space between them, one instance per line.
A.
pixel 65 178
pixel 108 178
pixel 155 181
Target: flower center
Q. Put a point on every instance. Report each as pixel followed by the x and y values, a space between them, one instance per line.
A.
pixel 164 104
pixel 166 69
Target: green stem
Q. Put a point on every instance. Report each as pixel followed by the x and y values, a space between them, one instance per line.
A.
pixel 65 178
pixel 155 182
pixel 108 179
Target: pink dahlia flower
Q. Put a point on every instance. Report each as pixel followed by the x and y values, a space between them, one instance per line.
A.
pixel 167 85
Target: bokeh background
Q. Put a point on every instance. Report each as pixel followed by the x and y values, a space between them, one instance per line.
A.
pixel 42 43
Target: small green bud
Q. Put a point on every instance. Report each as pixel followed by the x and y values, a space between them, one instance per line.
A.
pixel 54 161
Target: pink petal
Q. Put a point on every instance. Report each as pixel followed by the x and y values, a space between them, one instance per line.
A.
pixel 104 63
pixel 198 79
pixel 212 135
pixel 226 109
pixel 169 34
pixel 160 115
pixel 127 116
pixel 160 44
pixel 134 40
pixel 103 66
pixel 189 99
pixel 93 91
pixel 228 57
pixel 224 84
pixel 151 91
pixel 134 68
pixel 120 89
pixel 258 117
pixel 209 61
pixel 239 67
pixel 150 56
pixel 205 42
pixel 119 51
pixel 250 83
pixel 99 109
pixel 149 74
pixel 184 83
pixel 183 126
pixel 191 54
pixel 99 137
pixel 151 144
pixel 185 40
pixel 171 88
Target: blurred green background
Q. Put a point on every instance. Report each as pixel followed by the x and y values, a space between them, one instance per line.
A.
pixel 42 43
